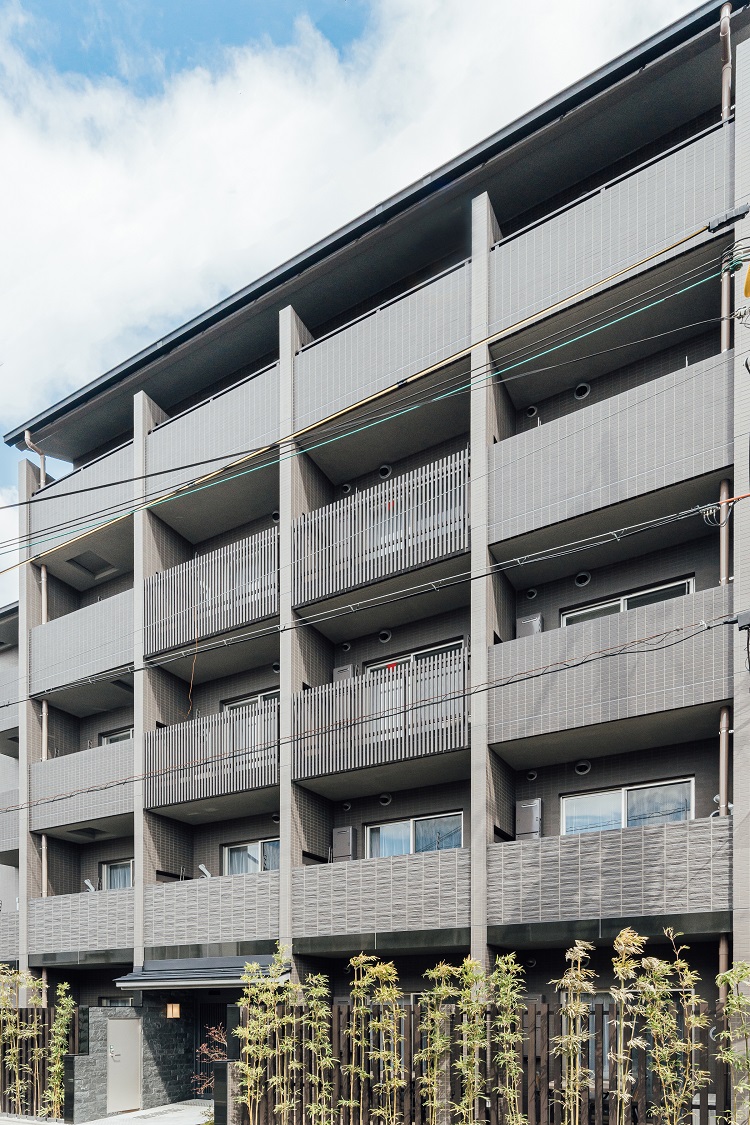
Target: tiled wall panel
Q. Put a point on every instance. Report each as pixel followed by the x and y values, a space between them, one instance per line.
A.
pixel 97 779
pixel 674 669
pixel 610 230
pixel 66 502
pixel 102 920
pixel 8 934
pixel 662 869
pixel 9 820
pixel 387 345
pixel 666 431
pixel 82 644
pixel 411 892
pixel 228 908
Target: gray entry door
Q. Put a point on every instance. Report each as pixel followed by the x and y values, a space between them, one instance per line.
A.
pixel 123 1065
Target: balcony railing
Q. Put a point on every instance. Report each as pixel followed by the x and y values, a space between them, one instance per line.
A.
pixel 213 755
pixel 99 781
pixel 9 821
pixel 408 892
pixel 388 715
pixel 83 644
pixel 228 908
pixel 660 870
pixel 407 522
pixel 651 661
pixel 655 435
pixel 384 346
pixel 221 590
pixel 608 230
pixel 68 923
pixel 79 496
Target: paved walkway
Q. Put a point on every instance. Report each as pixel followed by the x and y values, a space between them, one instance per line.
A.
pixel 179 1113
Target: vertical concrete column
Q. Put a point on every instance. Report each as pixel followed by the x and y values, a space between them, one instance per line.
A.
pixel 292 336
pixel 29 730
pixel 484 231
pixel 146 415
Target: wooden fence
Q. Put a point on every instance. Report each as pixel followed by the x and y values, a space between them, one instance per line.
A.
pixel 542 1084
pixel 36 1028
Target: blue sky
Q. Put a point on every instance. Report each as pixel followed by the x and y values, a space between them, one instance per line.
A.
pixel 147 41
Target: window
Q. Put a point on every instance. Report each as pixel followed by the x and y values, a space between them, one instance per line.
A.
pixel 630 807
pixel 117 876
pixel 250 700
pixel 640 598
pixel 249 859
pixel 419 834
pixel 413 681
pixel 122 734
pixel 115 1002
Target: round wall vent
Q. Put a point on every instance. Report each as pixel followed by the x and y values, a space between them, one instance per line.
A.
pixel 276 666
pixel 582 578
pixel 583 767
pixel 276 818
pixel 346 647
pixel 384 636
pixel 531 775
pixel 531 411
pixel 582 391
pixel 275 516
pixel 385 471
pixel 347 805
pixel 346 489
pixel 385 799
pixel 531 593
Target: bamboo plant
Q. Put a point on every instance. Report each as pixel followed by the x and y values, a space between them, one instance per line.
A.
pixel 471 1002
pixel 54 1094
pixel 258 1004
pixel 435 1026
pixel 317 1024
pixel 629 947
pixel 507 992
pixel 357 1070
pixel 386 1048
pixel 576 986
pixel 734 1037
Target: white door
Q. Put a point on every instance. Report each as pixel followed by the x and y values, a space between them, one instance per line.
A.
pixel 123 1065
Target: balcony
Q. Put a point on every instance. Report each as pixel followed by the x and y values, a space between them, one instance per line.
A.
pixel 83 644
pixel 385 346
pixel 9 935
pixel 199 911
pixel 370 896
pixel 608 230
pixel 389 715
pixel 666 431
pixel 666 869
pixel 212 756
pixel 101 921
pixel 214 593
pixel 99 781
pixel 408 522
pixel 659 668
pixel 8 822
pixel 67 501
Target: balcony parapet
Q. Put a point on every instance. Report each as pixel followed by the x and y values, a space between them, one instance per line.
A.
pixel 83 644
pixel 9 946
pixel 9 821
pixel 102 920
pixel 99 781
pixel 387 715
pixel 227 908
pixel 78 496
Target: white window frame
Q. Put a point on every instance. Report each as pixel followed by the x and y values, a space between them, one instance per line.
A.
pixel 254 700
pixel 227 848
pixel 116 863
pixel 568 616
pixel 623 791
pixel 411 657
pixel 112 737
pixel 412 833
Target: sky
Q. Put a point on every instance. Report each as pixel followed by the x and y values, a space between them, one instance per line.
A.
pixel 158 155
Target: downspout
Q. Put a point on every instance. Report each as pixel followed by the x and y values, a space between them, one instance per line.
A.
pixel 724 731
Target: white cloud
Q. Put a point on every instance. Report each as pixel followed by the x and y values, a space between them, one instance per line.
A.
pixel 123 215
pixel 8 556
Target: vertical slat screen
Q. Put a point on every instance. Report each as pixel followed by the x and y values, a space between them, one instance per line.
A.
pixel 403 523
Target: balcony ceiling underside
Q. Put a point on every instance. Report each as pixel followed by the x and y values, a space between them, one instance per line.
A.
pixel 113 544
pixel 539 368
pixel 437 769
pixel 228 807
pixel 698 926
pixel 93 831
pixel 651 505
pixel 9 742
pixel 10 859
pixel 211 511
pixel 226 655
pixel 370 446
pixel 642 732
pixel 95 696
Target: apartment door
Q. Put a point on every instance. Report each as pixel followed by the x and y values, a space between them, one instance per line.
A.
pixel 123 1065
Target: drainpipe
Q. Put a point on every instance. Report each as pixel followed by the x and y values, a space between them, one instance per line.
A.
pixel 724 731
pixel 726 110
pixel 725 38
pixel 724 533
pixel 42 459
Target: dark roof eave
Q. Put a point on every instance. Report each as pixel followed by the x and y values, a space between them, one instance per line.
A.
pixel 667 39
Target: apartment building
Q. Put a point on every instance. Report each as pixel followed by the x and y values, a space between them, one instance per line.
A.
pixel 386 604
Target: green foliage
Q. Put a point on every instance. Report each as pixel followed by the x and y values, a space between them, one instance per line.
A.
pixel 629 947
pixel 435 1027
pixel 471 1002
pixel 734 1038
pixel 16 1031
pixel 386 1050
pixel 257 1029
pixel 357 1070
pixel 671 1010
pixel 54 1095
pixel 507 992
pixel 576 986
pixel 317 1021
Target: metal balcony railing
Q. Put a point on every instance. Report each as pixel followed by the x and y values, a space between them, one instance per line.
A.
pixel 221 590
pixel 407 522
pixel 388 715
pixel 213 755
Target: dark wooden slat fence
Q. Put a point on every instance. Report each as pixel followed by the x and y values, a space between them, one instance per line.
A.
pixel 32 1062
